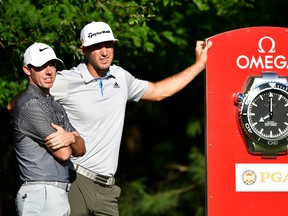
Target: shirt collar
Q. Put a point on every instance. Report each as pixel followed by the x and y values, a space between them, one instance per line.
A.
pixel 36 90
pixel 87 76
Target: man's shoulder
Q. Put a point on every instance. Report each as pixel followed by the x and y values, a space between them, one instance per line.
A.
pixel 68 75
pixel 30 93
pixel 116 67
pixel 117 70
pixel 71 71
pixel 28 101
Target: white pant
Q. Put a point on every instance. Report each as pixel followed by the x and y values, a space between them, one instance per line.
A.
pixel 44 200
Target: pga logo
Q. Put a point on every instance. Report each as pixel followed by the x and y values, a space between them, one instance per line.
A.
pixel 266 60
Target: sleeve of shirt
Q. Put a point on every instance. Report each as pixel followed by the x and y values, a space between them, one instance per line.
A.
pixel 60 87
pixel 136 87
pixel 36 121
pixel 65 122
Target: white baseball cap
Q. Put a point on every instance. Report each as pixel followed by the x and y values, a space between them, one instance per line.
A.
pixel 38 54
pixel 96 32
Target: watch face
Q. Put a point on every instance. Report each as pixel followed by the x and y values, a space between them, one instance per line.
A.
pixel 265 114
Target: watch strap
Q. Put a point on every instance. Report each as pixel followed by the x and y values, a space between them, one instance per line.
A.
pixel 270 151
pixel 266 77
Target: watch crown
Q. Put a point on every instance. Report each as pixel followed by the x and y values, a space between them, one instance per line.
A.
pixel 239 98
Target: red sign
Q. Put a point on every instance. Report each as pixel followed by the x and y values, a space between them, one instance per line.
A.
pixel 240 183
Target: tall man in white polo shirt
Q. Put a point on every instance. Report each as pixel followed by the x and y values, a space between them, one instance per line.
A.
pixel 95 94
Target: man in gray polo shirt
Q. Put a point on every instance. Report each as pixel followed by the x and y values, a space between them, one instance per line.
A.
pixel 95 94
pixel 45 170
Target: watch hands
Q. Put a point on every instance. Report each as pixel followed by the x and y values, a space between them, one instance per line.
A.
pixel 270 106
pixel 265 117
pixel 270 115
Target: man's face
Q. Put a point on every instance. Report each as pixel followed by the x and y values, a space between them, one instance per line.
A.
pixel 100 56
pixel 43 76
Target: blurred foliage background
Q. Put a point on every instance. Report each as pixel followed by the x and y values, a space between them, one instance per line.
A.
pixel 162 159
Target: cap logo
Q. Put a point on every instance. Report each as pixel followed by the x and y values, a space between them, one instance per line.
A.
pixel 43 49
pixel 90 35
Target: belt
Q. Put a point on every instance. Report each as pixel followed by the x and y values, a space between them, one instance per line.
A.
pixel 62 185
pixel 97 178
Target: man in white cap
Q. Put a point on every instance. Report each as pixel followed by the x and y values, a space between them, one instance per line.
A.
pixel 95 94
pixel 46 171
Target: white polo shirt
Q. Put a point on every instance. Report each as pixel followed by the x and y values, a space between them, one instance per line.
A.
pixel 98 113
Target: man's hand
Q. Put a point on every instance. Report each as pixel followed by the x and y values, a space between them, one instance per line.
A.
pixel 59 139
pixel 201 50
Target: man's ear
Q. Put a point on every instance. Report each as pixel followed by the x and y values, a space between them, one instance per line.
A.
pixel 84 50
pixel 26 70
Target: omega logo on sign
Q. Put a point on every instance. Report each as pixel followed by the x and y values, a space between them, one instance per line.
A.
pixel 266 59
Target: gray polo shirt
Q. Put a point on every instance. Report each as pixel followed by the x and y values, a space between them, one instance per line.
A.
pixel 96 108
pixel 33 114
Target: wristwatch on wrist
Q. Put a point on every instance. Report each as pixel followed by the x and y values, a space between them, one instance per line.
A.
pixel 263 114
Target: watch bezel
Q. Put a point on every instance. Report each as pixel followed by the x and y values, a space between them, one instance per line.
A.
pixel 243 117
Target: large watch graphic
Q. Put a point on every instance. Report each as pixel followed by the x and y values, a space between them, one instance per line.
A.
pixel 263 114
